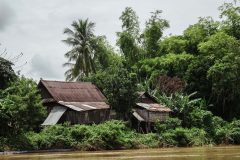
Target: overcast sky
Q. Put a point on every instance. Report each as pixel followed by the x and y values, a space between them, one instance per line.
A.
pixel 35 27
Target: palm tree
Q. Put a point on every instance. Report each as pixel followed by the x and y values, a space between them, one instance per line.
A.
pixel 80 57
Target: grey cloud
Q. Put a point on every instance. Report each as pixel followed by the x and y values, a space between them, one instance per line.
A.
pixel 6 14
pixel 44 67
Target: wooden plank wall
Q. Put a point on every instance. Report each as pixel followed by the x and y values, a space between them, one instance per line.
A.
pixel 86 117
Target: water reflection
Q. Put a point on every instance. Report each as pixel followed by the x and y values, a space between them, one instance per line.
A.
pixel 204 153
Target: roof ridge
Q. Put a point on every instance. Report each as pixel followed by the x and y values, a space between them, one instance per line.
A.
pixel 63 81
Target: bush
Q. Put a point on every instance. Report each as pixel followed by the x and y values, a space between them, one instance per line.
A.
pixel 201 118
pixel 116 135
pixel 182 105
pixel 228 133
pixel 109 135
pixel 184 137
pixel 235 131
pixel 170 123
pixel 150 140
pixel 168 139
pixel 198 137
pixel 2 143
pixel 222 135
pixel 235 135
pixel 20 108
pixel 56 136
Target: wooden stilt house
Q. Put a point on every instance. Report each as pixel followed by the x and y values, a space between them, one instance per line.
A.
pixel 147 111
pixel 74 102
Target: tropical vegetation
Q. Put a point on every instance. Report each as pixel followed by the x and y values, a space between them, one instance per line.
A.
pixel 196 74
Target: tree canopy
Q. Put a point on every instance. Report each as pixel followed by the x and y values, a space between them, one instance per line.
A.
pixel 204 59
pixel 7 73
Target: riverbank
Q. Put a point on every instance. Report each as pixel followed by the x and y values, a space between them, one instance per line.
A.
pixel 36 151
pixel 228 153
pixel 122 150
pixel 116 135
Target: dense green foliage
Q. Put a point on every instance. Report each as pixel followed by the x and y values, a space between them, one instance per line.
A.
pixel 20 108
pixel 6 73
pixel 119 87
pixel 196 74
pixel 117 135
pixel 205 57
pixel 109 135
pixel 20 111
pixel 170 65
pixel 194 125
pixel 128 39
pixel 152 34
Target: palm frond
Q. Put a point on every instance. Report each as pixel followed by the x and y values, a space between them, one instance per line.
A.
pixel 81 56
pixel 68 64
pixel 68 31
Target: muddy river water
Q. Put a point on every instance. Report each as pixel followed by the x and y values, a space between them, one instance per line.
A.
pixel 202 153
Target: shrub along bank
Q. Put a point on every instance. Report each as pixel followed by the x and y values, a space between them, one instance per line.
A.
pixel 117 135
pixel 106 136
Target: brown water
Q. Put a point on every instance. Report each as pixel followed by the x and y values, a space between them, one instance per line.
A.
pixel 206 153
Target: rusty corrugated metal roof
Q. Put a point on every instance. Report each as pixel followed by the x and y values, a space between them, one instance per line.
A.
pixel 73 91
pixel 85 106
pixel 145 97
pixel 154 107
